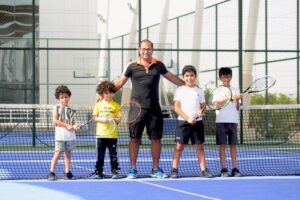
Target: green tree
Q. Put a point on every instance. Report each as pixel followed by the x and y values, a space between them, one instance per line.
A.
pixel 273 123
pixel 273 98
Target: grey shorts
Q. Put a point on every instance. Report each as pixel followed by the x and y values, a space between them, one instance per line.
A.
pixel 65 145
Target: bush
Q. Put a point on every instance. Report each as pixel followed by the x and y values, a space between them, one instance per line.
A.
pixel 273 98
pixel 273 123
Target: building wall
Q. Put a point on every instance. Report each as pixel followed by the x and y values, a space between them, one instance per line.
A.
pixel 68 24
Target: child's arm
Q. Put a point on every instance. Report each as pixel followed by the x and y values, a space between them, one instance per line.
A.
pixel 57 122
pixel 101 119
pixel 74 124
pixel 236 100
pixel 118 117
pixel 220 103
pixel 177 109
pixel 96 117
pixel 202 110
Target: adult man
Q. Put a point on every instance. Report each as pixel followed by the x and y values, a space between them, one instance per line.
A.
pixel 145 75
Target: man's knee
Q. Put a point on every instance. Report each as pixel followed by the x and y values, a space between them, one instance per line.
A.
pixel 156 141
pixel 135 141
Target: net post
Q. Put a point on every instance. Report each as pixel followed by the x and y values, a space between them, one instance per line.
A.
pixel 241 127
pixel 33 127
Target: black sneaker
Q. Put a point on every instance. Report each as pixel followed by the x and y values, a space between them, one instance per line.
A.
pixel 235 173
pixel 224 172
pixel 115 174
pixel 206 173
pixel 174 173
pixel 69 175
pixel 97 176
pixel 51 176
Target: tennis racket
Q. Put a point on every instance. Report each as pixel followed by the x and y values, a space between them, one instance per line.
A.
pixel 130 111
pixel 107 127
pixel 260 84
pixel 219 98
pixel 85 125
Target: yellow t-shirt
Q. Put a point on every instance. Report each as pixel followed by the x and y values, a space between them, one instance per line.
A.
pixel 109 109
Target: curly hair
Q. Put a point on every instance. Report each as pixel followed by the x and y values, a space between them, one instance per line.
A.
pixel 61 90
pixel 106 87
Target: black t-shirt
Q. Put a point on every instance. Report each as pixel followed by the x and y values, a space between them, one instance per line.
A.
pixel 145 86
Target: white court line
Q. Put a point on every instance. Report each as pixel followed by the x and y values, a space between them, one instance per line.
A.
pixel 293 158
pixel 245 178
pixel 176 190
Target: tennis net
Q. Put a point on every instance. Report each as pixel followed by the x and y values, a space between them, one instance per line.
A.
pixel 269 144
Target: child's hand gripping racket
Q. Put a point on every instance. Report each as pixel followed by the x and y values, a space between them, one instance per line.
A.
pixel 259 85
pixel 129 113
pixel 85 125
pixel 219 98
pixel 107 126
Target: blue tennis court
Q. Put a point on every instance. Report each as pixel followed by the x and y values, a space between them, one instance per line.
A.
pixel 246 188
pixel 21 159
pixel 35 165
pixel 47 43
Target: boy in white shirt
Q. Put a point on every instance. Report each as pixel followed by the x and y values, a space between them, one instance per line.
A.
pixel 226 125
pixel 189 104
pixel 65 126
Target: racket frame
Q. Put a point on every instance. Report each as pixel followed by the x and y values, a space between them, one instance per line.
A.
pixel 127 105
pixel 112 129
pixel 211 93
pixel 249 91
pixel 85 124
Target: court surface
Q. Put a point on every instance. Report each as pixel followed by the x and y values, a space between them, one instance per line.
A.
pixel 245 188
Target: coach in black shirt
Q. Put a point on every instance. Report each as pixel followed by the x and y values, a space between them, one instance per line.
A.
pixel 145 75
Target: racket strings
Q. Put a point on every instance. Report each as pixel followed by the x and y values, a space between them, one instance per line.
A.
pixel 219 94
pixel 262 83
pixel 259 85
pixel 107 128
pixel 130 111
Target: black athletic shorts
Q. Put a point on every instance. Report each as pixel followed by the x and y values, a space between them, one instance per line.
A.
pixel 152 119
pixel 226 131
pixel 186 131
